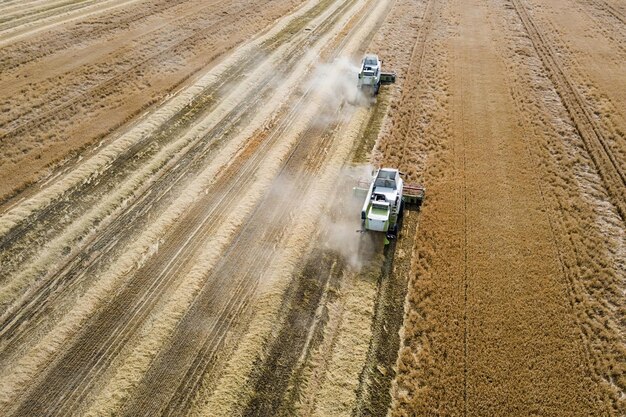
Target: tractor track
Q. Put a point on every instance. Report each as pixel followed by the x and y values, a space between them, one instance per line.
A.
pixel 414 76
pixel 607 165
pixel 101 358
pixel 73 271
pixel 309 294
pixel 611 10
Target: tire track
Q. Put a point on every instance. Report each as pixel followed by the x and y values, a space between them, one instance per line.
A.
pixel 608 167
pixel 460 162
pixel 416 61
pixel 105 350
pixel 465 246
pixel 611 10
pixel 580 259
pixel 159 193
pixel 401 133
pixel 312 289
pixel 570 280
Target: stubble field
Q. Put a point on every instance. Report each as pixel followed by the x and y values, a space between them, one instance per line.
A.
pixel 178 231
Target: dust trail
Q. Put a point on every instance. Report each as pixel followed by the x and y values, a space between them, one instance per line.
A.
pixel 159 328
pixel 129 189
pixel 232 391
pixel 342 222
pixel 229 395
pixel 336 82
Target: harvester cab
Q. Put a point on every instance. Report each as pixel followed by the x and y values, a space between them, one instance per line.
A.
pixel 371 75
pixel 385 197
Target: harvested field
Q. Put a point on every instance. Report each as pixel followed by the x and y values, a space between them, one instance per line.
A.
pixel 178 226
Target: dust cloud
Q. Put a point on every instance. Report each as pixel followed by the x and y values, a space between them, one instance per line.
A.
pixel 336 83
pixel 341 224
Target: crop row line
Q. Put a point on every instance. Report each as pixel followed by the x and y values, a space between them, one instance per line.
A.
pixel 112 81
pixel 150 197
pixel 256 261
pixel 238 182
pixel 47 9
pixel 91 31
pixel 68 203
pixel 246 274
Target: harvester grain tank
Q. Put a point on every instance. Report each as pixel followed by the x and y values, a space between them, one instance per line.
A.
pixel 371 75
pixel 385 199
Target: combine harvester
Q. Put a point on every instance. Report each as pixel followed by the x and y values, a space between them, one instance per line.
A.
pixel 371 75
pixel 385 199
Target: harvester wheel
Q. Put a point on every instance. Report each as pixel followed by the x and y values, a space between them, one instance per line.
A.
pixel 393 232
